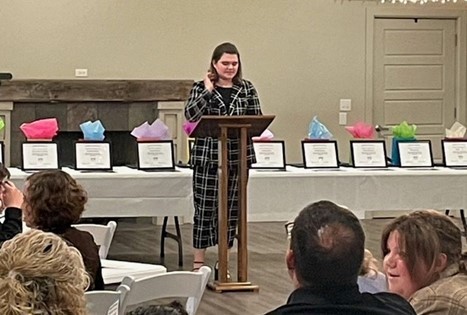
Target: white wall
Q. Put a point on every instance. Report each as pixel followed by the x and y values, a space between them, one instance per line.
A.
pixel 303 56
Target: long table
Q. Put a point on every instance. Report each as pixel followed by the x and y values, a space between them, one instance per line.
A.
pixel 128 192
pixel 273 195
pixel 279 196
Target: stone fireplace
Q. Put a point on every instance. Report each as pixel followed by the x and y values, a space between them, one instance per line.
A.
pixel 121 105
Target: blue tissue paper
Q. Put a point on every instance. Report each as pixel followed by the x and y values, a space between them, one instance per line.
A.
pixel 93 131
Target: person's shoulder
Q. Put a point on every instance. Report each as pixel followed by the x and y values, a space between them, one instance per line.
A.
pixel 452 290
pixel 198 83
pixel 392 301
pixel 246 83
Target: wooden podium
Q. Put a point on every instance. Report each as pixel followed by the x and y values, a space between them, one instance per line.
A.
pixel 223 128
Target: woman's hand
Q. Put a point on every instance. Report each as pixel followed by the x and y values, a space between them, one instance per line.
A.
pixel 12 196
pixel 209 79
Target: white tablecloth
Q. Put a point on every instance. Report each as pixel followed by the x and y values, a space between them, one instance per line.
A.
pixel 279 196
pixel 273 195
pixel 129 192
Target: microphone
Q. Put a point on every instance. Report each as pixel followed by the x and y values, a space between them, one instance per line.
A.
pixel 5 76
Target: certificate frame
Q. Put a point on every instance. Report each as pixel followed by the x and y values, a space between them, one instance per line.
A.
pixel 28 165
pixel 328 147
pixel 403 147
pixel 379 148
pixel 165 147
pixel 2 152
pixel 277 146
pixel 451 158
pixel 80 164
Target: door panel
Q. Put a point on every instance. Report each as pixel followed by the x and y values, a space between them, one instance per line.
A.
pixel 414 76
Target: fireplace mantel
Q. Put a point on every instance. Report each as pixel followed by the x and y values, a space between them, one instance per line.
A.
pixel 94 90
pixel 119 104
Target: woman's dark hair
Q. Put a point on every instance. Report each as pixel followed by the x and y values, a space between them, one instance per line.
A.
pixel 219 51
pixel 328 244
pixel 4 172
pixel 54 200
pixel 174 308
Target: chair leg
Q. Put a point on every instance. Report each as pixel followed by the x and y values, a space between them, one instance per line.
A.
pixel 464 222
pixel 180 243
pixel 177 237
pixel 163 236
pixel 447 211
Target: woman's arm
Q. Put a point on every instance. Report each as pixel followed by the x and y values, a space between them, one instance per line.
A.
pixel 200 95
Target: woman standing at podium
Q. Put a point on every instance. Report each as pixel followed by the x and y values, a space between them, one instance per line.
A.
pixel 222 92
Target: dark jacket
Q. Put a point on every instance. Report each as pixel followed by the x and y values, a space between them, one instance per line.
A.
pixel 12 225
pixel 244 101
pixel 342 301
pixel 84 242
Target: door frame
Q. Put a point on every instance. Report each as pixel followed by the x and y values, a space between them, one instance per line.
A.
pixel 461 55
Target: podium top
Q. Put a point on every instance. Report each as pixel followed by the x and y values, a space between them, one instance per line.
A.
pixel 210 126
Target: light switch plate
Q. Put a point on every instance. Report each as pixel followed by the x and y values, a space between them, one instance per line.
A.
pixel 345 105
pixel 342 119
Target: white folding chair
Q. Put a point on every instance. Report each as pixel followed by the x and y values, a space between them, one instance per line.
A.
pixel 101 302
pixel 103 235
pixel 175 284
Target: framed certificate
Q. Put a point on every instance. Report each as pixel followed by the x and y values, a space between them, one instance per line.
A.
pixel 39 155
pixel 415 153
pixel 320 154
pixel 156 155
pixel 2 152
pixel 93 155
pixel 371 153
pixel 454 152
pixel 269 155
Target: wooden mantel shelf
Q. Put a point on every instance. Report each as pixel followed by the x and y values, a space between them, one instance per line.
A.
pixel 94 90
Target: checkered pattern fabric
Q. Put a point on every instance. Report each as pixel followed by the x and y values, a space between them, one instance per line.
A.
pixel 244 101
pixel 204 158
pixel 205 197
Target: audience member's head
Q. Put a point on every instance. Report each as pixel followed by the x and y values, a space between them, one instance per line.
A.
pixel 4 172
pixel 4 175
pixel 52 200
pixel 174 308
pixel 369 265
pixel 41 274
pixel 326 246
pixel 417 247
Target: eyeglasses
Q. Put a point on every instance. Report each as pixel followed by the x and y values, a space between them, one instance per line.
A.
pixel 288 229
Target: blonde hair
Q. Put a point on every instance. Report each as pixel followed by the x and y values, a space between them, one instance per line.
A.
pixel 369 264
pixel 41 274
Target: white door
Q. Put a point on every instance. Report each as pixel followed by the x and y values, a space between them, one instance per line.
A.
pixel 415 76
